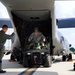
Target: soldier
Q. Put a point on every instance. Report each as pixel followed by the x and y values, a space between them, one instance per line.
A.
pixel 3 38
pixel 36 37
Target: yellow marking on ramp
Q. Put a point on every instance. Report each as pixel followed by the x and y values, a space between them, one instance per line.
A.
pixel 29 71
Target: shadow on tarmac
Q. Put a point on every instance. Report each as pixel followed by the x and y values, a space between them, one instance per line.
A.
pixel 10 73
pixel 71 70
pixel 6 64
pixel 44 73
pixel 39 73
pixel 11 68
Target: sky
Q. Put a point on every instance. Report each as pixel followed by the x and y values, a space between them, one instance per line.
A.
pixel 3 11
pixel 65 9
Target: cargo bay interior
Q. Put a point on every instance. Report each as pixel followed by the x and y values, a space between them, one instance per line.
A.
pixel 25 22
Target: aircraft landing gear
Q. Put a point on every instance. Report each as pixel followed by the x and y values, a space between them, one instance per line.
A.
pixel 70 57
pixel 67 57
pixel 63 57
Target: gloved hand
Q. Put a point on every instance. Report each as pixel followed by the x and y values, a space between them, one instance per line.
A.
pixel 44 39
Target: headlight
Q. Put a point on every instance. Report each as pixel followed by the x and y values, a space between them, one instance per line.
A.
pixel 42 53
pixel 28 53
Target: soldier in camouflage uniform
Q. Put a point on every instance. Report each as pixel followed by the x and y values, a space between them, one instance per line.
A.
pixel 36 37
pixel 3 38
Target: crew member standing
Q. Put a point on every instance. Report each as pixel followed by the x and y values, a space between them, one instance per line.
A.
pixel 3 38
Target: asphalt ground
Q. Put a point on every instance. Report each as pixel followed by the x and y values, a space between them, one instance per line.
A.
pixel 57 68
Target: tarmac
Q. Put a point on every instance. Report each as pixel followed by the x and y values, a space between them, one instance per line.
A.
pixel 57 68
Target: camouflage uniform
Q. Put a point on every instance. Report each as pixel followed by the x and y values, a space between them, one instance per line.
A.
pixel 36 38
pixel 3 38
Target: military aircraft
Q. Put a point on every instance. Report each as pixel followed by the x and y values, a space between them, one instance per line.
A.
pixel 25 15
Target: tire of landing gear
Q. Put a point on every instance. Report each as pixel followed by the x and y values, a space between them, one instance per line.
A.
pixel 63 57
pixel 48 61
